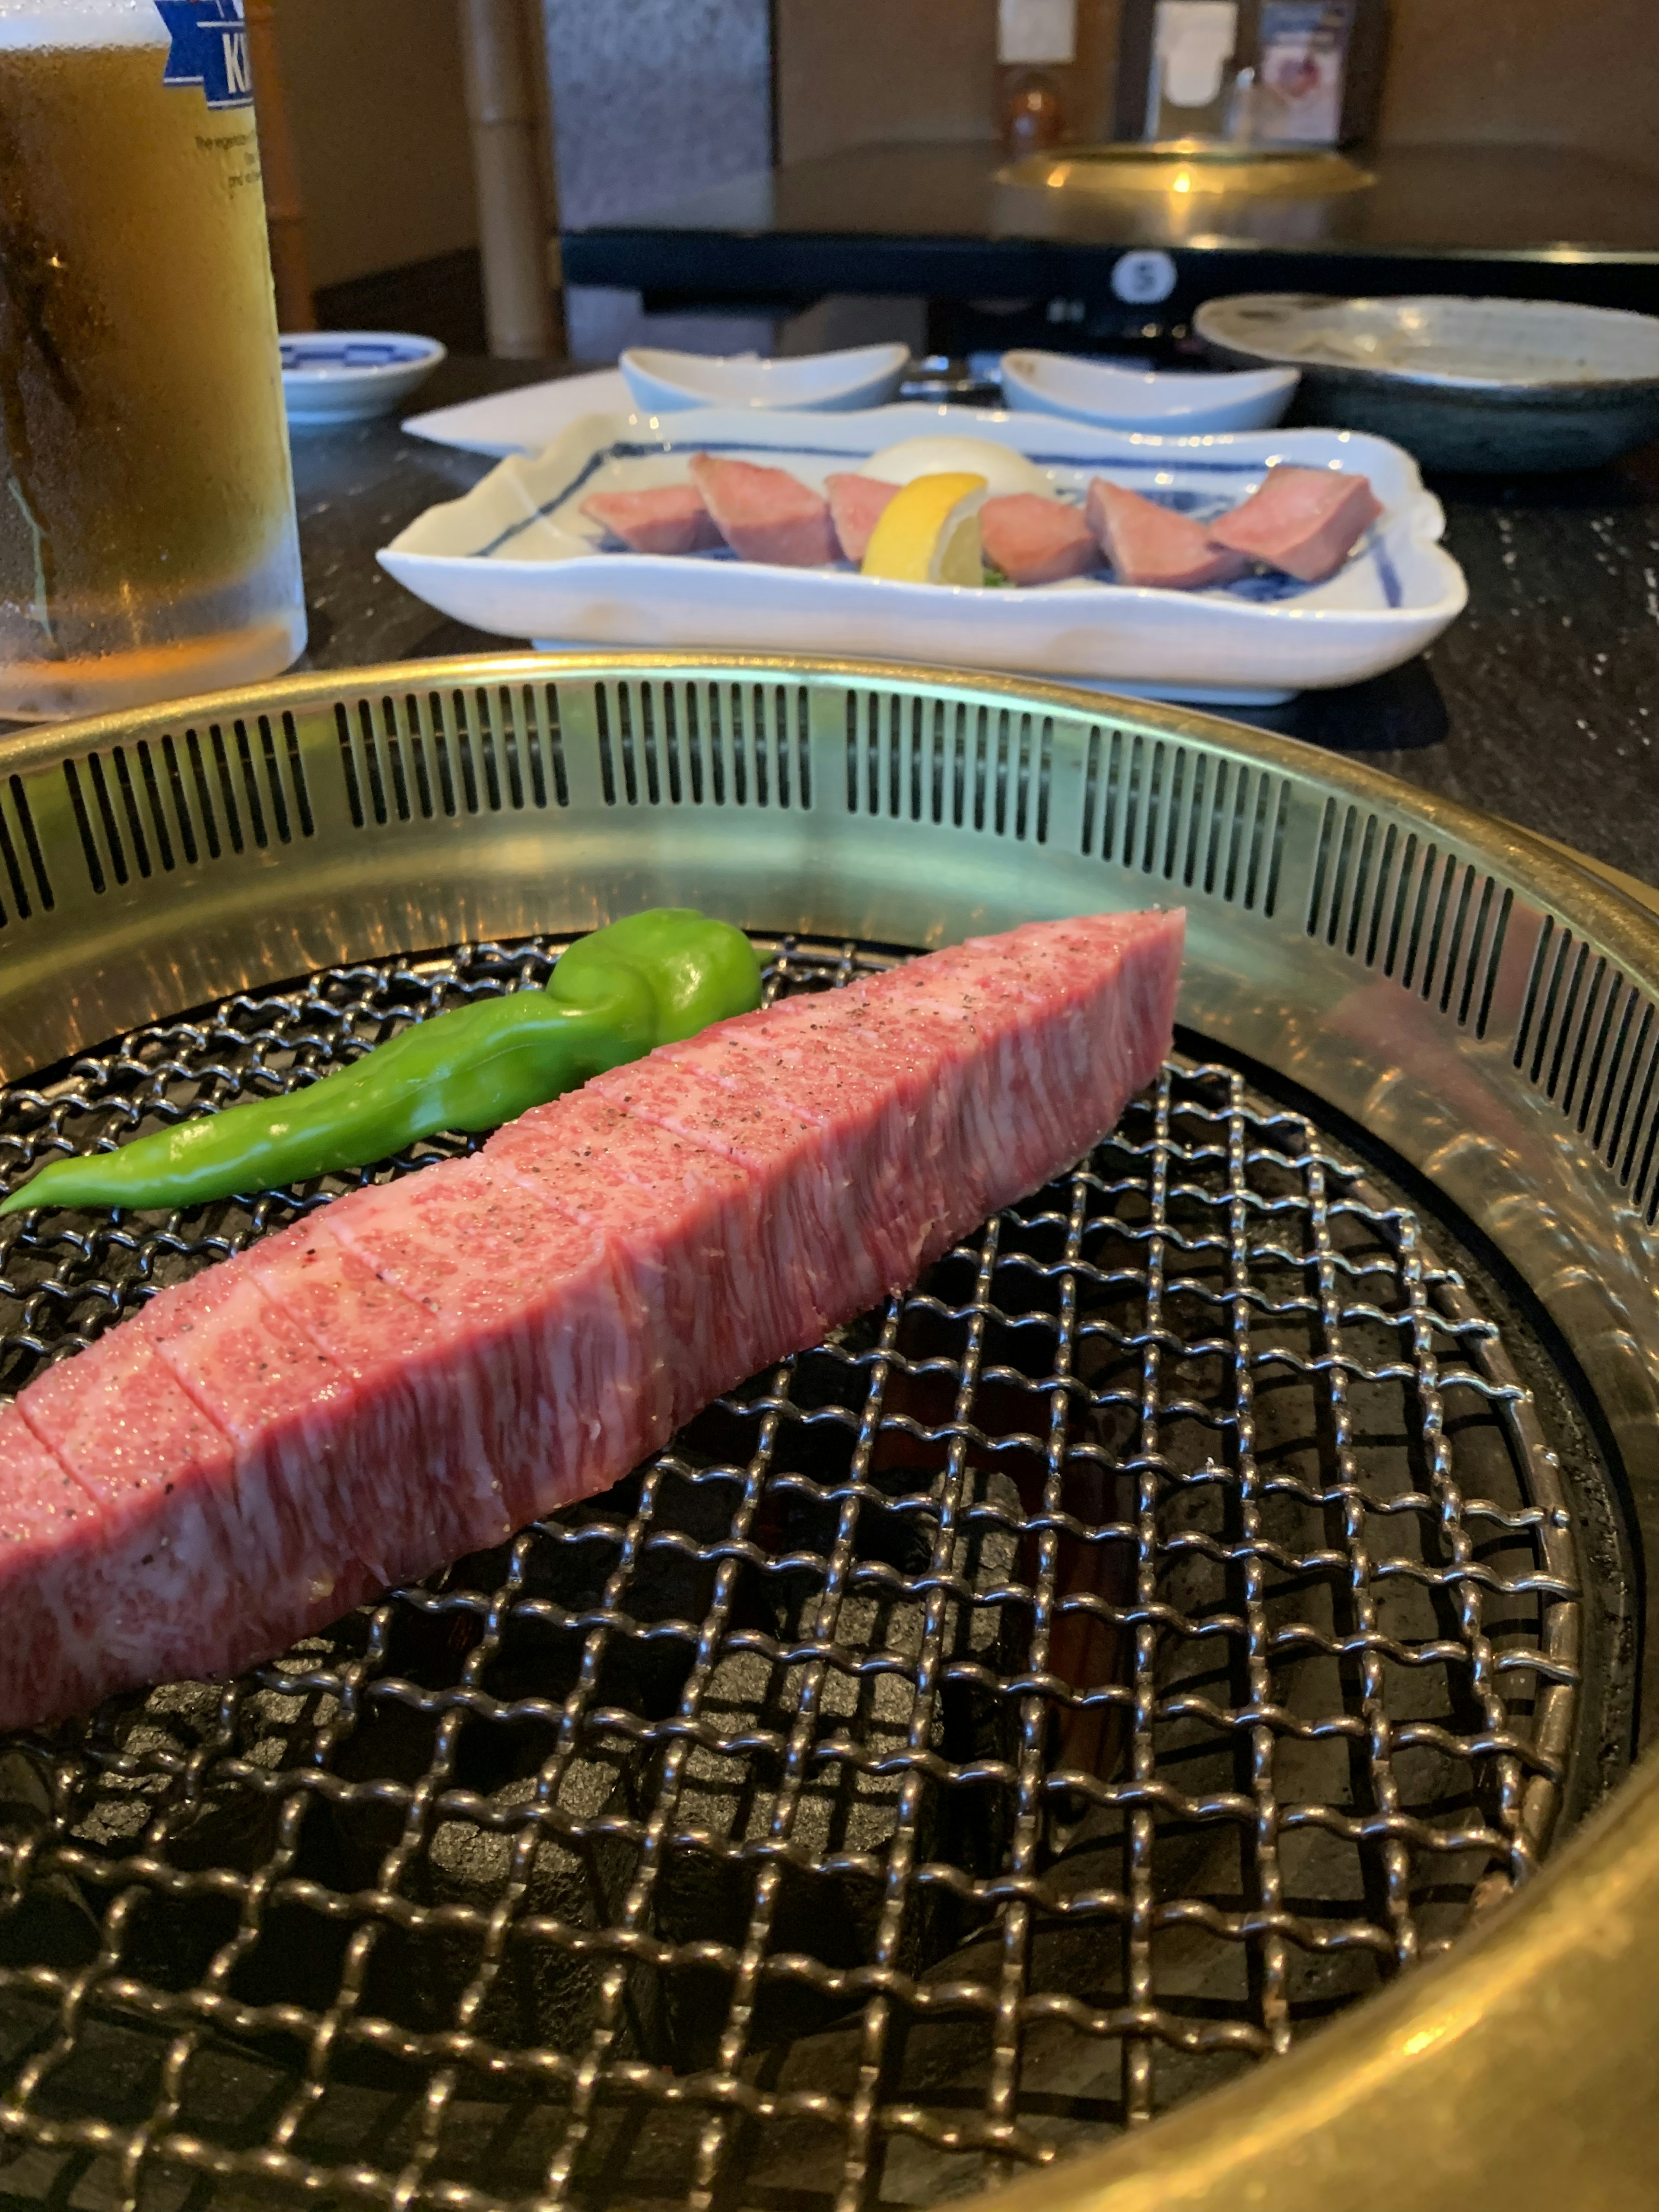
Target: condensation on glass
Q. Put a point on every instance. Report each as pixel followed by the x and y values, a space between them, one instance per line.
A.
pixel 148 543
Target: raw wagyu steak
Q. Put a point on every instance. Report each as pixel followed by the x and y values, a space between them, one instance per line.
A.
pixel 1035 540
pixel 1148 543
pixel 765 514
pixel 1305 521
pixel 671 519
pixel 417 1369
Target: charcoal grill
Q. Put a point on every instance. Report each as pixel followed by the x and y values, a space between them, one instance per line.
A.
pixel 1195 1610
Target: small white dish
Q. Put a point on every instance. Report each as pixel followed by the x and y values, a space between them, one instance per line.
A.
pixel 516 556
pixel 663 383
pixel 1175 403
pixel 331 377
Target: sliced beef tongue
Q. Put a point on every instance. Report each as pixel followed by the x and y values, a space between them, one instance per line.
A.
pixel 765 514
pixel 856 505
pixel 670 518
pixel 1148 543
pixel 1305 521
pixel 1035 540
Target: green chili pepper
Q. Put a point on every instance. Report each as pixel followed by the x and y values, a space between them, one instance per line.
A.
pixel 612 997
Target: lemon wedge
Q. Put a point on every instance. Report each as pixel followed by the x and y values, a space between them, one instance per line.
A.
pixel 928 532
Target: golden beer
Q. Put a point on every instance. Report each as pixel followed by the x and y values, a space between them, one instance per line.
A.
pixel 148 545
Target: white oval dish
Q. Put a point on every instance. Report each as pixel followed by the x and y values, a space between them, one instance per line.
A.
pixel 1175 403
pixel 331 377
pixel 516 556
pixel 662 382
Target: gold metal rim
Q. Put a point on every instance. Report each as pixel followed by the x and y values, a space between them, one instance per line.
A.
pixel 1570 873
pixel 1521 2063
pixel 1518 2070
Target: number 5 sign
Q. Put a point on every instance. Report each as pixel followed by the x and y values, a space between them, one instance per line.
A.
pixel 1143 278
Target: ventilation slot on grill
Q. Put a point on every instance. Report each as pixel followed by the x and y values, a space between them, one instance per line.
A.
pixel 1402 904
pixel 487 750
pixel 150 806
pixel 704 744
pixel 1165 809
pixel 22 867
pixel 928 760
pixel 1589 1040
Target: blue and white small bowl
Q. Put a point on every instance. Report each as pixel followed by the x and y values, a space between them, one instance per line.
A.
pixel 665 383
pixel 331 377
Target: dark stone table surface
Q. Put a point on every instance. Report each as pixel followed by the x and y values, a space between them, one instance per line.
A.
pixel 1541 703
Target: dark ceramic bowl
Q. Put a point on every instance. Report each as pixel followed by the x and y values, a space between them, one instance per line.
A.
pixel 1498 386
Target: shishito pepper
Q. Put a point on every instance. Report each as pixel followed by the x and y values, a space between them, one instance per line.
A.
pixel 612 997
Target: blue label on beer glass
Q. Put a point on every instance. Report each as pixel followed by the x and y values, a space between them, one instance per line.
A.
pixel 210 48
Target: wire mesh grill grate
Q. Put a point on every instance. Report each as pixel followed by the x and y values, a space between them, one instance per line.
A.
pixel 1036 1705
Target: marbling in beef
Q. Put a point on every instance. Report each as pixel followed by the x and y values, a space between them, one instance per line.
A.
pixel 421 1367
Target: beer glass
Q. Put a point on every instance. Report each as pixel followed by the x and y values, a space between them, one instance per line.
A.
pixel 148 545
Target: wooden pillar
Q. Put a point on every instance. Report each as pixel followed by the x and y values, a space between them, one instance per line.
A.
pixel 285 218
pixel 503 108
pixel 547 165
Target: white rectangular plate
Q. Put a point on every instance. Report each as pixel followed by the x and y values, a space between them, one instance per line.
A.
pixel 526 418
pixel 517 555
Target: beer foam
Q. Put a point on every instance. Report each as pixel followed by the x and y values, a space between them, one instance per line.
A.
pixel 25 24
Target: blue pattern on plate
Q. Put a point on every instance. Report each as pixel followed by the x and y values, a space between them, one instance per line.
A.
pixel 302 354
pixel 1392 591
